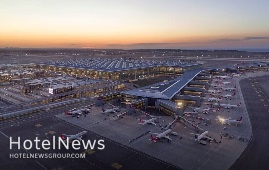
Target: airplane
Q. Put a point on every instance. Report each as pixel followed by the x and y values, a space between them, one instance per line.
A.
pixel 214 91
pixel 236 75
pixel 113 110
pixel 214 94
pixel 227 106
pixel 215 85
pixel 228 95
pixel 214 99
pixel 200 137
pixel 223 77
pixel 149 121
pixel 229 88
pixel 190 113
pixel 121 115
pixel 77 113
pixel 200 110
pixel 169 126
pixel 163 135
pixel 74 137
pixel 226 82
pixel 230 121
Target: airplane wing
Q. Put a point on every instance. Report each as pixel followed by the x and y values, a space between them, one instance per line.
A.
pixel 153 123
pixel 79 138
pixel 167 137
pixel 154 133
pixel 207 138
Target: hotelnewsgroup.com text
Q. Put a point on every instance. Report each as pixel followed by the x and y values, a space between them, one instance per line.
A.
pixel 56 144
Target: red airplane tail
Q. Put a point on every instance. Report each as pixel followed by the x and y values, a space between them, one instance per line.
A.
pixel 63 136
pixel 153 139
pixel 67 113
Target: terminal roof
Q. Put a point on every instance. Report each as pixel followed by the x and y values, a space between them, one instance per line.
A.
pixel 112 65
pixel 165 90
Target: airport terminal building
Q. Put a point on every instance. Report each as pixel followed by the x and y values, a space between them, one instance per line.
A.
pixel 119 69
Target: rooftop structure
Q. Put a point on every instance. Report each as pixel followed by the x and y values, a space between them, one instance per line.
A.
pixel 165 90
pixel 112 65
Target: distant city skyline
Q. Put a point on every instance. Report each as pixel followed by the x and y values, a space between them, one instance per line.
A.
pixel 191 24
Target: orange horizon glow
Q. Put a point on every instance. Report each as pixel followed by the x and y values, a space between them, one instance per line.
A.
pixel 136 24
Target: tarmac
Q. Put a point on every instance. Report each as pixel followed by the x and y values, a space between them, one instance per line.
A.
pixel 128 146
pixel 45 126
pixel 182 151
pixel 256 94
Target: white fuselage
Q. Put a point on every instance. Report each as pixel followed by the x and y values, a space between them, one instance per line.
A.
pixel 213 99
pixel 149 121
pixel 230 122
pixel 228 106
pixel 75 137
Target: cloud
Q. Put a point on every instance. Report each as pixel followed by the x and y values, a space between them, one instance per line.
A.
pixel 239 39
pixel 256 38
pixel 73 44
pixel 226 40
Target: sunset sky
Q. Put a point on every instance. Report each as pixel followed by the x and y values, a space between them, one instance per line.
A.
pixel 192 24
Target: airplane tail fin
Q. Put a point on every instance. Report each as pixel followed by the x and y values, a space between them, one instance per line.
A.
pixel 239 104
pixel 103 109
pixel 153 138
pixel 63 136
pixel 239 119
pixel 234 94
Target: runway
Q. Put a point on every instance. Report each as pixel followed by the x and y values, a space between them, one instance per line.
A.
pixel 256 96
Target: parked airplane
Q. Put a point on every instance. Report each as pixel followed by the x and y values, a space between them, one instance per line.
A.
pixel 200 110
pixel 77 113
pixel 201 137
pixel 236 75
pixel 224 77
pixel 74 137
pixel 214 91
pixel 149 121
pixel 214 99
pixel 163 135
pixel 227 106
pixel 228 95
pixel 113 110
pixel 190 113
pixel 229 88
pixel 169 126
pixel 226 82
pixel 230 121
pixel 215 85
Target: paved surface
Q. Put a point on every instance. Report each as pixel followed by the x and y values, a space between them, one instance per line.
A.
pixel 183 152
pixel 114 155
pixel 256 95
